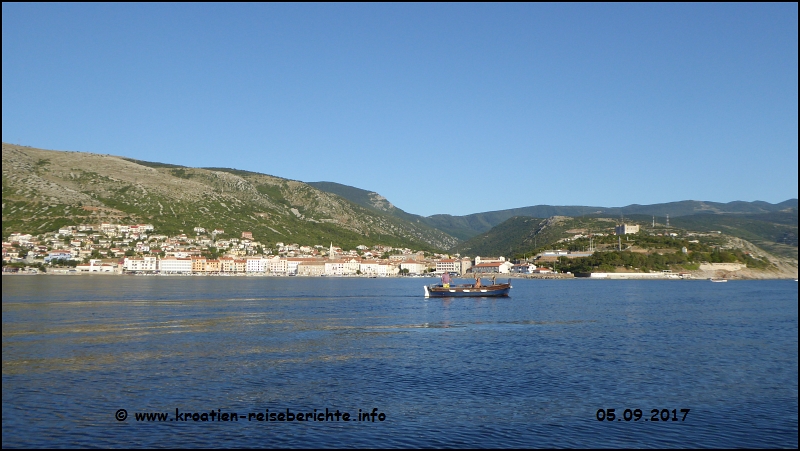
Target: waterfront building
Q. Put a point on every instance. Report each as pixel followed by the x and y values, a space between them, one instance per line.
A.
pixel 277 265
pixel 334 267
pixel 523 268
pixel 226 264
pixel 479 259
pixel 198 264
pixel 256 265
pixel 213 265
pixel 369 267
pixel 293 264
pixel 445 265
pixel 96 265
pixel 175 265
pixel 239 265
pixel 495 267
pixel 342 267
pixel 311 267
pixel 387 269
pixel 141 264
pixel 352 265
pixel 413 267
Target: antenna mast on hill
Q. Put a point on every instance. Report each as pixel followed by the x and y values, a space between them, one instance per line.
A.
pixel 667 219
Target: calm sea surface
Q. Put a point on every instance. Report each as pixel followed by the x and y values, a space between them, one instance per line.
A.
pixel 531 370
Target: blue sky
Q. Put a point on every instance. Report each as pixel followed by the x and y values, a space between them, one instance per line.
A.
pixel 448 108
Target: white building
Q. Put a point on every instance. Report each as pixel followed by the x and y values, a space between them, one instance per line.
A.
pixel 413 267
pixel 448 265
pixel 334 267
pixel 387 269
pixel 256 265
pixel 20 238
pixel 624 229
pixel 342 267
pixel 145 264
pixel 524 268
pixel 369 267
pixel 58 254
pixel 352 265
pixel 479 259
pixel 97 266
pixel 174 265
pixel 293 265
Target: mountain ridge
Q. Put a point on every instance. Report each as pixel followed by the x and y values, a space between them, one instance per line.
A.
pixel 468 226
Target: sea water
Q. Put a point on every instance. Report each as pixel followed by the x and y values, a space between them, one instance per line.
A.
pixel 86 359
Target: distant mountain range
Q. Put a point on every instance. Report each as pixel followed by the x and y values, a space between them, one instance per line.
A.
pixel 711 214
pixel 44 189
pixel 465 227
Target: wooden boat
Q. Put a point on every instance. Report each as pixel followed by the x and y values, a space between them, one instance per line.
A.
pixel 439 291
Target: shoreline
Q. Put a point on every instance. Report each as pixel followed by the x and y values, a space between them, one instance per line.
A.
pixel 618 276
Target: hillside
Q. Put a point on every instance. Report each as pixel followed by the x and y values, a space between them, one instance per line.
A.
pixel 522 235
pixel 44 189
pixel 775 232
pixel 379 204
pixel 766 241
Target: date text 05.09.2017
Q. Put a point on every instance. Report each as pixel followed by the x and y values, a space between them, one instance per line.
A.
pixel 636 415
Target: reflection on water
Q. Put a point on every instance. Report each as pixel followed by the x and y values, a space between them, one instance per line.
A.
pixel 529 370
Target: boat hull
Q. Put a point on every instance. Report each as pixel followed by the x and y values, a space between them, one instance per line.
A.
pixel 438 291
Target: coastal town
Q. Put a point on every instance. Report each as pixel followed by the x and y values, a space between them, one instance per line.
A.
pixel 139 249
pixel 109 248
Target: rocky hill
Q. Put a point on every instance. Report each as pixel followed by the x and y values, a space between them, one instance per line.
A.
pixel 378 203
pixel 766 242
pixel 45 189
